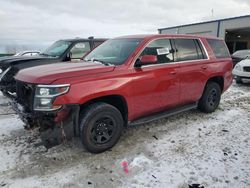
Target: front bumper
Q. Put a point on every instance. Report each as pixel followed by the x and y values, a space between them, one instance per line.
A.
pixel 54 127
pixel 241 74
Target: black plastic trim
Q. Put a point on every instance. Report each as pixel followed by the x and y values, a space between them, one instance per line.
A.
pixel 163 114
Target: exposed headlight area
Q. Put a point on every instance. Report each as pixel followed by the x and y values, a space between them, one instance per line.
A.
pixel 46 94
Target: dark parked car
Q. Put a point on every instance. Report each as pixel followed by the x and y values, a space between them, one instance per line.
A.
pixel 240 55
pixel 60 51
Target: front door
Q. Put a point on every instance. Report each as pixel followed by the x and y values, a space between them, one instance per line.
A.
pixel 156 87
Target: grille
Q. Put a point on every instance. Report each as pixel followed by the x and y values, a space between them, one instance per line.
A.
pixel 246 69
pixel 25 93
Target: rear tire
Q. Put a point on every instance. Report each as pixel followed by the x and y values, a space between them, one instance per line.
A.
pixel 210 99
pixel 101 127
pixel 238 80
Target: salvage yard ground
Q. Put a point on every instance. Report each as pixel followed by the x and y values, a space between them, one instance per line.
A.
pixel 190 148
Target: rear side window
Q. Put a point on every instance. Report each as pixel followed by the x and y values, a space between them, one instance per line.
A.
pixel 200 50
pixel 189 49
pixel 219 48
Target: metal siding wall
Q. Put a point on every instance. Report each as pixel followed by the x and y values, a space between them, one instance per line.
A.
pixel 170 31
pixel 201 29
pixel 233 24
pixel 210 28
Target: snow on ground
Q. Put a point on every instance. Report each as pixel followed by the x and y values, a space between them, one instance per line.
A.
pixel 190 148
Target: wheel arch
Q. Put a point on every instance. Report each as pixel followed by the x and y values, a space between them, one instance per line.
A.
pixel 115 100
pixel 217 79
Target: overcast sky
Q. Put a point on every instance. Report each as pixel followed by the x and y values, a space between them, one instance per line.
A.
pixel 41 21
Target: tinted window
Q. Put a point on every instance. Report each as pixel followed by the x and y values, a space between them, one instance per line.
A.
pixel 162 49
pixel 97 43
pixel 79 50
pixel 219 48
pixel 114 51
pixel 187 50
pixel 200 50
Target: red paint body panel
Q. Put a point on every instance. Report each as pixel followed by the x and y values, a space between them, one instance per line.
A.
pixel 146 90
pixel 46 74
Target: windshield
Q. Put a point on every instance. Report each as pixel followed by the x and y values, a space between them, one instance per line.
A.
pixel 114 51
pixel 242 53
pixel 56 49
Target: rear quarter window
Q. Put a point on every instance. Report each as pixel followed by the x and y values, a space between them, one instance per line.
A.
pixel 219 48
pixel 189 49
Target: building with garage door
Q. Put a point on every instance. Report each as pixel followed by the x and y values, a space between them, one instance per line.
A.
pixel 235 31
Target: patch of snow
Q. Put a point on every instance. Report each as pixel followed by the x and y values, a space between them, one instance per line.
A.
pixel 190 148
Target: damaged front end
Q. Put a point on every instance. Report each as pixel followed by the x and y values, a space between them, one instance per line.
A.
pixel 34 104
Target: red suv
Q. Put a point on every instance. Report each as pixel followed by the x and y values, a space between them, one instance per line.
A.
pixel 125 81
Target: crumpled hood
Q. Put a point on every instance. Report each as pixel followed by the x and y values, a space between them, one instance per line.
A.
pixel 244 63
pixel 46 74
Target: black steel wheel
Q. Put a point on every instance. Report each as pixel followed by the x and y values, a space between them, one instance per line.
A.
pixel 210 99
pixel 103 130
pixel 101 127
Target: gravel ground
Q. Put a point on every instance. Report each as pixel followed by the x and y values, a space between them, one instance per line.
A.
pixel 186 149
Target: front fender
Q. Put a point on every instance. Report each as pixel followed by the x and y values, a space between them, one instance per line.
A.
pixel 83 92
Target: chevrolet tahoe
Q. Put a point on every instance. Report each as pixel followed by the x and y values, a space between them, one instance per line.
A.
pixel 126 81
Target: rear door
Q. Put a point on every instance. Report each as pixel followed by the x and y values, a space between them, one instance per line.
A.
pixel 156 86
pixel 192 59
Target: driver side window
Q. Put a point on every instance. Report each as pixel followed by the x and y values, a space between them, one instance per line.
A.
pixel 79 50
pixel 162 49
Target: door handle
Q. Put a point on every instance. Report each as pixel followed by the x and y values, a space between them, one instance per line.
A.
pixel 173 72
pixel 204 67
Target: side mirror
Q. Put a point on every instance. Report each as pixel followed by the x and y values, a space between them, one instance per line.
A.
pixel 68 56
pixel 146 59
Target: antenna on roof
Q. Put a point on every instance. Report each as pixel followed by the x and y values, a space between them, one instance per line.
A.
pixel 91 38
pixel 212 11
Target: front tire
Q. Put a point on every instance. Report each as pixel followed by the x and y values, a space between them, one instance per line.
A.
pixel 210 99
pixel 100 127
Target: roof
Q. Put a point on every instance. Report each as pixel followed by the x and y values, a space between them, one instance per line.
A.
pixel 154 36
pixel 84 39
pixel 212 21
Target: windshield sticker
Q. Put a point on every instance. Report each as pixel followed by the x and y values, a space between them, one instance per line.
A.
pixel 162 51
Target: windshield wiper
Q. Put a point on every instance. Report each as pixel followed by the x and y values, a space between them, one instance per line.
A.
pixel 99 61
